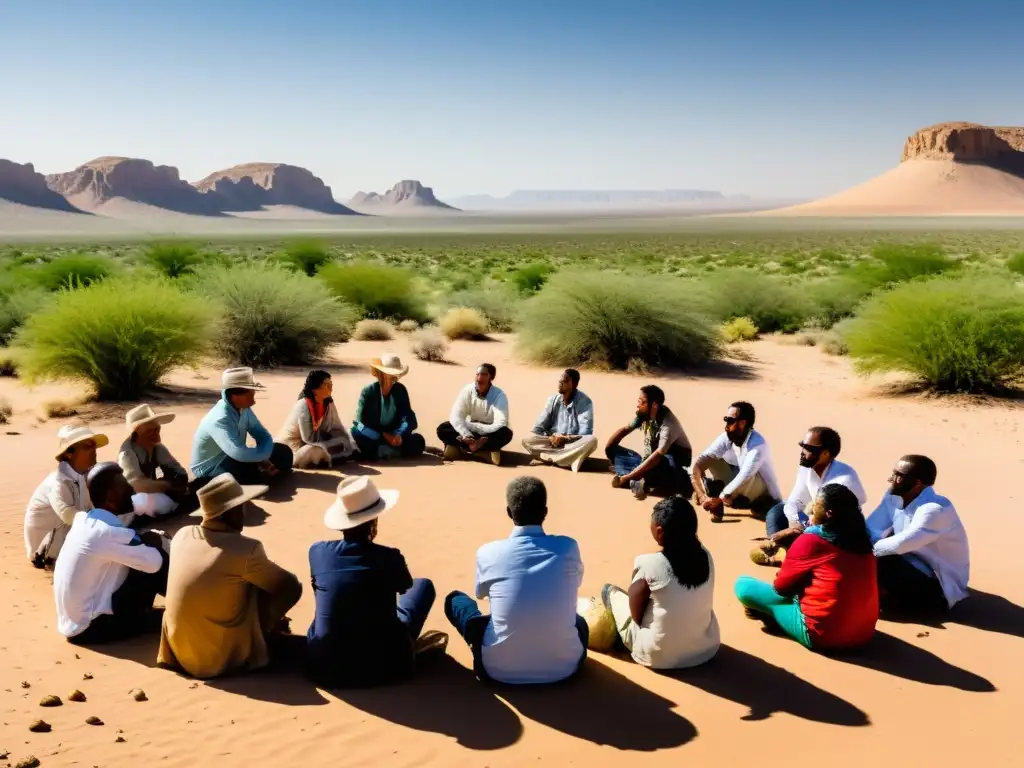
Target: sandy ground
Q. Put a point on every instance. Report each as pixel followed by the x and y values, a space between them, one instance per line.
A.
pixel 922 695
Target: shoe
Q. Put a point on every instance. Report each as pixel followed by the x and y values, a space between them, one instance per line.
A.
pixel 765 555
pixel 577 463
pixel 639 489
pixel 496 458
pixel 452 452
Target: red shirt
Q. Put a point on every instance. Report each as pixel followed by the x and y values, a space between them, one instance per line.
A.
pixel 838 591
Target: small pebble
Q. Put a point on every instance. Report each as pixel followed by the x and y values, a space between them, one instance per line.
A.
pixel 922 634
pixel 76 695
pixel 93 720
pixel 119 740
pixel 25 684
pixel 28 762
pixel 40 726
pixel 87 676
pixel 139 695
pixel 50 701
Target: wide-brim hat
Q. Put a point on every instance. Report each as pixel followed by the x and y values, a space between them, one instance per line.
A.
pixel 223 493
pixel 239 378
pixel 73 434
pixel 143 414
pixel 390 364
pixel 358 502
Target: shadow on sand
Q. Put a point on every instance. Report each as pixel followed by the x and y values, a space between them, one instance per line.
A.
pixel 981 610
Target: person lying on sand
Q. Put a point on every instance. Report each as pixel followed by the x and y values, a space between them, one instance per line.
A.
pixel 313 430
pixel 818 466
pixel 108 575
pixel 667 619
pixel 740 467
pixel 219 445
pixel 359 636
pixel 825 596
pixel 62 494
pixel 667 451
pixel 564 432
pixel 479 419
pixel 385 423
pixel 143 455
pixel 226 600
pixel 532 578
pixel 924 560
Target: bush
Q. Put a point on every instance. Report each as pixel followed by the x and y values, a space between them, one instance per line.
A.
pixel 768 301
pixel 894 264
pixel 378 291
pixel 16 308
pixel 429 344
pixel 739 329
pixel 463 323
pixel 73 270
pixel 1016 263
pixel 408 326
pixel 586 318
pixel 955 335
pixel 121 336
pixel 172 260
pixel 8 363
pixel 271 316
pixel 495 301
pixel 531 278
pixel 59 409
pixel 836 299
pixel 6 411
pixel 305 256
pixel 373 330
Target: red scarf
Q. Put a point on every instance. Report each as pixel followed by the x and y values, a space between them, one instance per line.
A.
pixel 316 412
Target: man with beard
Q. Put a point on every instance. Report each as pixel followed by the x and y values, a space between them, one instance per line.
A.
pixel 740 468
pixel 564 432
pixel 818 466
pixel 923 556
pixel 667 451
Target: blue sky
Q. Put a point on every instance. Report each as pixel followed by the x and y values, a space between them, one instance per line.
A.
pixel 767 98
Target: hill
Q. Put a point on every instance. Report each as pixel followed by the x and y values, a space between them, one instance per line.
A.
pixel 407 196
pixel 254 186
pixel 22 185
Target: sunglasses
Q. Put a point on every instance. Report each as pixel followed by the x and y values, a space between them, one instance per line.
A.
pixel 811 448
pixel 730 420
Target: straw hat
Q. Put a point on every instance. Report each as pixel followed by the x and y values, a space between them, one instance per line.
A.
pixel 390 364
pixel 143 414
pixel 239 378
pixel 224 493
pixel 73 434
pixel 358 502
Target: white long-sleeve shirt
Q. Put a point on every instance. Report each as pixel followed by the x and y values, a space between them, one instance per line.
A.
pixel 473 415
pixel 752 458
pixel 928 531
pixel 53 506
pixel 808 483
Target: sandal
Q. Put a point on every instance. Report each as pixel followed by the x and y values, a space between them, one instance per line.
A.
pixel 765 554
pixel 431 642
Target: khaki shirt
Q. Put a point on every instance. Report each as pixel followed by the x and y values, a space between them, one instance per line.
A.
pixel 132 457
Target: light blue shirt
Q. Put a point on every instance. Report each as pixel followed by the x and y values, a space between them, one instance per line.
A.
pixel 222 434
pixel 532 581
pixel 560 418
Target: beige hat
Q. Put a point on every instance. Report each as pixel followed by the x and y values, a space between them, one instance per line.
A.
pixel 143 414
pixel 239 378
pixel 390 364
pixel 223 493
pixel 358 502
pixel 73 434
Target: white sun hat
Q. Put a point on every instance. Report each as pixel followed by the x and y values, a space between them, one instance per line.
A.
pixel 143 414
pixel 391 364
pixel 73 434
pixel 239 378
pixel 358 502
pixel 223 493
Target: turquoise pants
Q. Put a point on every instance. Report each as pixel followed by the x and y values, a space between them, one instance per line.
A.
pixel 760 597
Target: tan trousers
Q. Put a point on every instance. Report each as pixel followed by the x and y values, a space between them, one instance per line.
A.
pixel 721 470
pixel 540 448
pixel 317 453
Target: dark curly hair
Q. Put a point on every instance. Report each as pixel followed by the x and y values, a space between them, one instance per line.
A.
pixel 689 560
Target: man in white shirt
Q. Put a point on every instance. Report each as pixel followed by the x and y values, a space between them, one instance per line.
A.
pixel 740 467
pixel 479 419
pixel 818 466
pixel 107 576
pixel 924 560
pixel 532 580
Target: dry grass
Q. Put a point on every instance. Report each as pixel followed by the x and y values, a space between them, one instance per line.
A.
pixel 373 330
pixel 408 326
pixel 6 411
pixel 8 363
pixel 429 344
pixel 60 409
pixel 463 323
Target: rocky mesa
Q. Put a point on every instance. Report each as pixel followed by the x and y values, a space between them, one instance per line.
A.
pixel 408 195
pixel 102 183
pixel 253 186
pixel 999 147
pixel 20 183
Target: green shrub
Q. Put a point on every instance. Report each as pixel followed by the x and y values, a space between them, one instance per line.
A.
pixel 836 298
pixel 739 329
pixel 586 318
pixel 955 335
pixel 769 301
pixel 373 330
pixel 376 290
pixel 463 323
pixel 892 264
pixel 173 260
pixel 72 270
pixel 305 256
pixel 1016 263
pixel 16 308
pixel 495 301
pixel 531 278
pixel 121 336
pixel 269 315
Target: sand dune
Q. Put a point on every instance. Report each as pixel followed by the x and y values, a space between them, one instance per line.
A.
pixel 923 695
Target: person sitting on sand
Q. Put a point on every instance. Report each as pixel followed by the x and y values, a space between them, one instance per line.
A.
pixel 667 451
pixel 359 635
pixel 108 575
pixel 667 619
pixel 564 432
pixel 385 423
pixel 825 596
pixel 818 466
pixel 62 494
pixel 226 600
pixel 924 559
pixel 143 455
pixel 533 634
pixel 740 467
pixel 479 419
pixel 313 430
pixel 219 445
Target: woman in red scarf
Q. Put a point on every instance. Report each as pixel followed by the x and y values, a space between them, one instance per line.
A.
pixel 314 430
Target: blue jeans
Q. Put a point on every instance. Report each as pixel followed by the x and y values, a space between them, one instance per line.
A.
pixel 464 614
pixel 667 475
pixel 414 605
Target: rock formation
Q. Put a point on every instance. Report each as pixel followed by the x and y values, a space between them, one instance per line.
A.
pixel 21 184
pixel 406 194
pixel 95 184
pixel 1001 148
pixel 252 186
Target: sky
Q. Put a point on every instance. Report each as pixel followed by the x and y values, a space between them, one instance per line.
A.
pixel 784 99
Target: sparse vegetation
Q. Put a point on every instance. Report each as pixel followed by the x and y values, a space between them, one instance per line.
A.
pixel 71 270
pixel 59 409
pixel 493 300
pixel 408 326
pixel 739 329
pixel 173 260
pixel 1016 263
pixel 6 411
pixel 305 256
pixel 373 330
pixel 429 344
pixel 770 302
pixel 463 323
pixel 378 291
pixel 531 278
